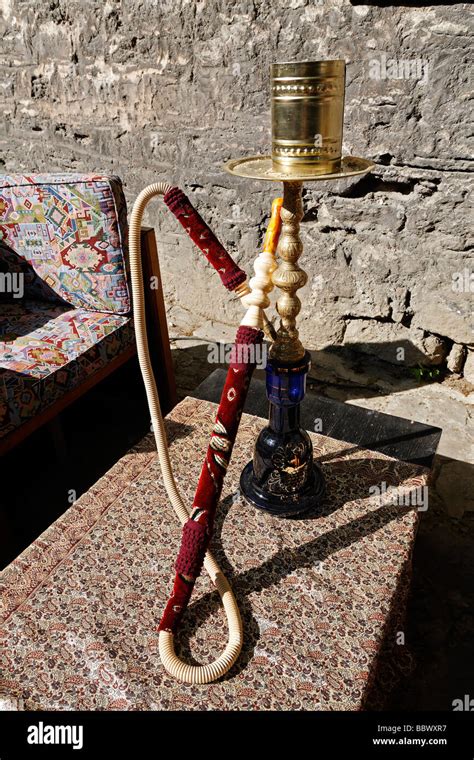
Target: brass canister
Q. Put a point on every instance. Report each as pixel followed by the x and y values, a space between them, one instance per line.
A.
pixel 307 115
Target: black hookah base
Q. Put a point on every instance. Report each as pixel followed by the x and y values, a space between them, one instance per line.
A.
pixel 284 505
pixel 283 477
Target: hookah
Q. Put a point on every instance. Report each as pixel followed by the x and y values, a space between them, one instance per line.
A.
pixel 282 478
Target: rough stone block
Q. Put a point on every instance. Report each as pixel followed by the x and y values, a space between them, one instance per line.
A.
pixel 456 357
pixel 469 367
pixel 394 343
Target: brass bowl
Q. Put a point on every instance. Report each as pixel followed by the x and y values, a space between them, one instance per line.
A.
pixel 307 99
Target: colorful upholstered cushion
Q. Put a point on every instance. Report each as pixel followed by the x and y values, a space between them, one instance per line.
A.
pixel 72 230
pixel 47 349
pixel 18 279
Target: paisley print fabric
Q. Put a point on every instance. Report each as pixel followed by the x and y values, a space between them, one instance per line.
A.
pixel 321 598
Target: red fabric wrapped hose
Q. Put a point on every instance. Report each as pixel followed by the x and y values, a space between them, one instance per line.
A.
pixel 197 531
pixel 199 232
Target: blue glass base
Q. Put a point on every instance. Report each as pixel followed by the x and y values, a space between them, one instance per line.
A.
pixel 282 478
pixel 288 505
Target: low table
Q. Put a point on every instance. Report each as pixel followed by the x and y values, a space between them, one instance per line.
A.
pixel 322 598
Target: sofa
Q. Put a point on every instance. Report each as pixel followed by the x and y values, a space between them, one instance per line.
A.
pixel 65 307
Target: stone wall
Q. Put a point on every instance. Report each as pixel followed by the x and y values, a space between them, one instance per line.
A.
pixel 152 90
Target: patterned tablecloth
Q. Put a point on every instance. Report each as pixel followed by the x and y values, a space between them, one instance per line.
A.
pixel 322 598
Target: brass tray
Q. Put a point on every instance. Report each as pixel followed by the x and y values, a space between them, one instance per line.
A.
pixel 262 167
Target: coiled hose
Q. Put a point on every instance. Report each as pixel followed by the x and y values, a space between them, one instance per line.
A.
pixel 172 663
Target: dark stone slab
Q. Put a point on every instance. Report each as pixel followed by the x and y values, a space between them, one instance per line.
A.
pixel 403 439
